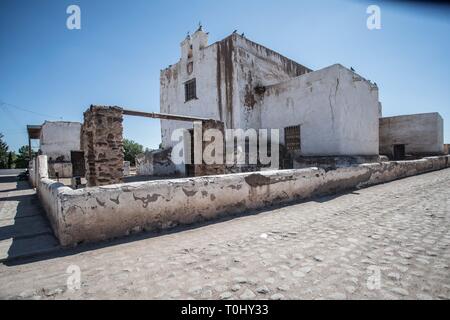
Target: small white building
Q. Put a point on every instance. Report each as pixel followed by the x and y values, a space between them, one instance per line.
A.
pixel 332 111
pixel 414 135
pixel 58 139
pixel 60 142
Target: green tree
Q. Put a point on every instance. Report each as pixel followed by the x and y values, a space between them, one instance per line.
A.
pixel 3 153
pixel 11 160
pixel 131 149
pixel 23 157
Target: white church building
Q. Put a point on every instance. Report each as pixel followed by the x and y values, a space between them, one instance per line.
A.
pixel 334 111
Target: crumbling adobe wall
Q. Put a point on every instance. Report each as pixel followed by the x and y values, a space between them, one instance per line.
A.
pixel 102 143
pixel 155 163
pixel 87 215
pixel 211 169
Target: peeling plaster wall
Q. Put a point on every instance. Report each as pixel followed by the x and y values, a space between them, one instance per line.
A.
pixel 226 73
pixel 49 193
pixel 58 139
pixel 173 78
pixel 258 66
pixel 64 169
pixel 100 213
pixel 337 110
pixel 155 163
pixel 422 134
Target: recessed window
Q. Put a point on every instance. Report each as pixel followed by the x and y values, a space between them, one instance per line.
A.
pixel 190 68
pixel 190 90
pixel 190 52
pixel 292 138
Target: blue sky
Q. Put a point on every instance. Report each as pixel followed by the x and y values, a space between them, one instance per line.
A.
pixel 116 57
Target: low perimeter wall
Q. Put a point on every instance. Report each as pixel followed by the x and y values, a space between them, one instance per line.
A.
pixel 99 213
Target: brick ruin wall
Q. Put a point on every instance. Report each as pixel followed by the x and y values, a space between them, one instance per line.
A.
pixel 102 143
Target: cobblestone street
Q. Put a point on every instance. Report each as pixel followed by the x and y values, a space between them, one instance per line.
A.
pixel 390 241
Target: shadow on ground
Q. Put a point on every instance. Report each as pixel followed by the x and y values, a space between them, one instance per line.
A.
pixel 24 228
pixel 63 252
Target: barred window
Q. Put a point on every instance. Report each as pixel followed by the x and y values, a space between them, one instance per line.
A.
pixel 292 138
pixel 190 90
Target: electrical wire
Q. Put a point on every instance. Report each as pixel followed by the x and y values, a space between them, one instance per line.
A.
pixel 5 104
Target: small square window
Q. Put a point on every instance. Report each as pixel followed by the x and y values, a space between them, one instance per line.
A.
pixel 292 138
pixel 190 90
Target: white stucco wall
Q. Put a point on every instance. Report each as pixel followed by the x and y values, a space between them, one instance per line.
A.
pixel 337 110
pixel 172 95
pixel 422 134
pixel 258 66
pixel 224 71
pixel 59 138
pixel 101 213
pixel 32 172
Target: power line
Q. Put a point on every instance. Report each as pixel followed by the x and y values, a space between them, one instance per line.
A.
pixel 3 103
pixel 11 115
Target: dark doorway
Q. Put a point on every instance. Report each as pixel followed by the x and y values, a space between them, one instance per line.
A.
pixel 399 152
pixel 190 168
pixel 78 165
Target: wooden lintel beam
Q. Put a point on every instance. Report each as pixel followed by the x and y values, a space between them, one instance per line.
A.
pixel 164 116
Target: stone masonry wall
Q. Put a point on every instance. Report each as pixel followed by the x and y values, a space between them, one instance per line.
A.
pixel 211 169
pixel 102 143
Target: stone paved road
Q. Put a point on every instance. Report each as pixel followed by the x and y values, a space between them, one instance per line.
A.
pixel 390 241
pixel 24 230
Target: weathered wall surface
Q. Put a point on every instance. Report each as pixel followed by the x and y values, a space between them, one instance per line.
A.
pixel 245 85
pixel 49 193
pixel 63 169
pixel 126 168
pixel 58 139
pixel 422 134
pixel 204 168
pixel 155 163
pixel 102 143
pixel 336 109
pixel 99 213
pixel 172 79
pixel 258 66
pixel 330 163
pixel 32 172
pixel 226 74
